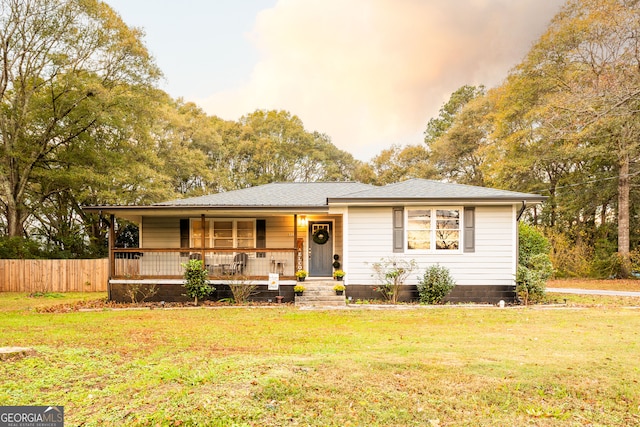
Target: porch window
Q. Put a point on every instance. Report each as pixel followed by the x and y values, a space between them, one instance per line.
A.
pixel 224 233
pixel 433 229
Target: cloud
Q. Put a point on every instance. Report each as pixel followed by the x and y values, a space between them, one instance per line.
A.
pixel 371 73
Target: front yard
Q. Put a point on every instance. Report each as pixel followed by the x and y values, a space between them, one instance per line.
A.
pixel 277 366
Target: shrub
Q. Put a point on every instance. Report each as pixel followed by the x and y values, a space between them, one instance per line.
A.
pixel 534 264
pixel 241 289
pixel 569 257
pixel 392 273
pixel 435 285
pixel 19 248
pixel 195 280
pixel 138 292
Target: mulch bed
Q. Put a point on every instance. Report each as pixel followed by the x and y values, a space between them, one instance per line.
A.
pixel 104 304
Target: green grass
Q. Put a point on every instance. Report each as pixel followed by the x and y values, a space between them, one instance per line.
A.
pixel 444 366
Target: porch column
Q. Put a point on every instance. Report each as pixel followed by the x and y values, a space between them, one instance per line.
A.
pixel 295 230
pixel 202 238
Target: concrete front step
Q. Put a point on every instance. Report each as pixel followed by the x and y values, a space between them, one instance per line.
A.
pixel 320 301
pixel 320 293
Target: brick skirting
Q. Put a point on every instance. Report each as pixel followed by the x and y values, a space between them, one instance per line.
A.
pixel 461 294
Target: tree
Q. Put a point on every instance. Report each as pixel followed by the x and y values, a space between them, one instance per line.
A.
pixel 439 126
pixel 269 146
pixel 181 132
pixel 398 164
pixel 68 65
pixel 591 54
pixel 458 154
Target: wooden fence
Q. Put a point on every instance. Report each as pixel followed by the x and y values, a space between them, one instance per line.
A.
pixel 54 275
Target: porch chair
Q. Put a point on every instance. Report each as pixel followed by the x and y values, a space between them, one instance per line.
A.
pixel 239 263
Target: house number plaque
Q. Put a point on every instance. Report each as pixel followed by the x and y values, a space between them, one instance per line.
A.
pixel 299 245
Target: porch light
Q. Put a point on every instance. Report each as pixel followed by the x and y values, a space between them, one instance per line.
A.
pixel 302 221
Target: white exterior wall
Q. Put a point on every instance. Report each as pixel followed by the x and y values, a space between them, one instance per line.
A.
pixel 159 232
pixel 370 239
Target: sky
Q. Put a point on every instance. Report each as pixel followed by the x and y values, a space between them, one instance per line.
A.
pixel 368 73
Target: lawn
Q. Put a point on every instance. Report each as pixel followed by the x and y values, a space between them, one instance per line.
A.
pixel 280 366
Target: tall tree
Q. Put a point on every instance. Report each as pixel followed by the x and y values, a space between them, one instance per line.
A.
pixel 67 65
pixel 398 164
pixel 438 126
pixel 267 146
pixel 459 153
pixel 592 53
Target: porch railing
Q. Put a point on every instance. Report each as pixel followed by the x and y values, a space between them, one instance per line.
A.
pixel 221 263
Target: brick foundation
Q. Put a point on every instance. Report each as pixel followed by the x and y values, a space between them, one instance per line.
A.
pixel 491 294
pixel 175 293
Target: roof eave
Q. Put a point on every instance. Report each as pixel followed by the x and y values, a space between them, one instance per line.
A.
pixel 174 209
pixel 439 200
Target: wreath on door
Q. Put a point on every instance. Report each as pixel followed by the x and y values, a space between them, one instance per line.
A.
pixel 321 236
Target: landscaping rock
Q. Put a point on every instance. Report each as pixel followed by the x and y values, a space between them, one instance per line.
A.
pixel 12 353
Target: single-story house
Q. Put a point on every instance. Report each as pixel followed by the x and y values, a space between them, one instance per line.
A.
pixel 271 231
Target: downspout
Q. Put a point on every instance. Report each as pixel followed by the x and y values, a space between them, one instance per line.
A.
pixel 524 206
pixel 112 240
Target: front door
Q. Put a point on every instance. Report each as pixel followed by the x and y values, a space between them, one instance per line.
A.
pixel 320 249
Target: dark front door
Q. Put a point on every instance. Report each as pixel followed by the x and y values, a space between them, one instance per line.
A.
pixel 320 249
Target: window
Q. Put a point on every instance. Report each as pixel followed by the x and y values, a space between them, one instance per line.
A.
pixel 196 234
pixel 224 233
pixel 433 229
pixel 419 229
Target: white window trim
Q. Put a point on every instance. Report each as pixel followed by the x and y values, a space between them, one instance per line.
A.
pixel 211 221
pixel 433 249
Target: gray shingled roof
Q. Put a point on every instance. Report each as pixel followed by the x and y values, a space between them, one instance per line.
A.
pixel 424 189
pixel 282 194
pixel 315 194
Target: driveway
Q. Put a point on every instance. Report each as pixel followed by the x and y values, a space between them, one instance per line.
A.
pixel 593 292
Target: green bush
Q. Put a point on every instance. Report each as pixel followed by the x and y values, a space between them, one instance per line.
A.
pixel 19 248
pixel 435 285
pixel 534 264
pixel 195 280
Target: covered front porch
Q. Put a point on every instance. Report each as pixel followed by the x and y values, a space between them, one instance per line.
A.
pixel 234 248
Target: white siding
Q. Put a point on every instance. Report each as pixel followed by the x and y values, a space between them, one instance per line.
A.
pixel 492 263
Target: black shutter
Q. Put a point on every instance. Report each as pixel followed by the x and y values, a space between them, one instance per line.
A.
pixel 184 235
pixel 398 229
pixel 469 230
pixel 261 237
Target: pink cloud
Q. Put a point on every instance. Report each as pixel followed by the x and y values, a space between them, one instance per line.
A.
pixel 371 73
